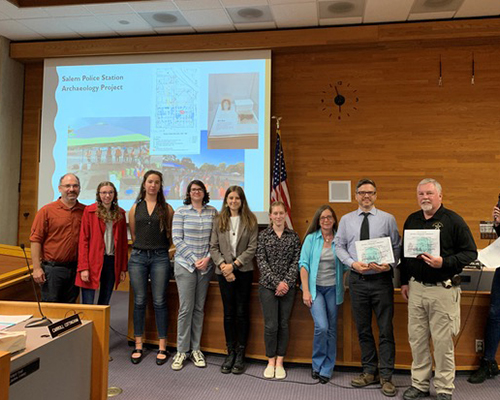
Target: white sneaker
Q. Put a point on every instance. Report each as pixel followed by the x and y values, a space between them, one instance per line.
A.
pixel 280 373
pixel 178 362
pixel 269 372
pixel 198 359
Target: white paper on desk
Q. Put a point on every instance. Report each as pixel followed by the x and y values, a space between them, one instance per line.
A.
pixel 490 256
pixel 12 342
pixel 375 250
pixel 10 320
pixel 418 241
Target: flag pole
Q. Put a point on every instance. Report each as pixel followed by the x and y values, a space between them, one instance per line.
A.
pixel 278 133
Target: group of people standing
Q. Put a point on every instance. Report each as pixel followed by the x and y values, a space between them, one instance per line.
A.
pixel 88 245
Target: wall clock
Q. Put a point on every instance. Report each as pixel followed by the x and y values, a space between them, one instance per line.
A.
pixel 341 100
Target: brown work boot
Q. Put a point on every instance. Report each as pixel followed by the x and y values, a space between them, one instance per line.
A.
pixel 388 388
pixel 365 379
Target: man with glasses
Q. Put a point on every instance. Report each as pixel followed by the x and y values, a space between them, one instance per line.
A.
pixel 370 286
pixel 430 283
pixel 54 243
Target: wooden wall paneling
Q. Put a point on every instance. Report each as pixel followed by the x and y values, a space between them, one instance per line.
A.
pixel 30 155
pixel 406 128
pixel 302 328
pixel 213 338
pixel 483 31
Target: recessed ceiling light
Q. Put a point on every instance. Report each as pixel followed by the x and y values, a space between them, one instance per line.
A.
pixel 123 22
pixel 165 18
pixel 437 3
pixel 250 13
pixel 341 7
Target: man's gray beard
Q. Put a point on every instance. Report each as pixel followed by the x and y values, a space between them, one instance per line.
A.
pixel 426 207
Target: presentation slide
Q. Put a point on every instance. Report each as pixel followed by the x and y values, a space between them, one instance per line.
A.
pixel 194 116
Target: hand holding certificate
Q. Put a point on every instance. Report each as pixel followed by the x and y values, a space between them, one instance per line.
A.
pixel 378 251
pixel 419 241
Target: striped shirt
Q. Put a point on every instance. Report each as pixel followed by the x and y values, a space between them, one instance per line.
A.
pixel 191 232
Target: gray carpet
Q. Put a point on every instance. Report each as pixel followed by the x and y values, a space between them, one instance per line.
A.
pixel 147 381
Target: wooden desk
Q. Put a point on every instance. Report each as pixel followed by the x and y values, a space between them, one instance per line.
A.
pixel 14 278
pixel 4 375
pixel 64 364
pixel 99 315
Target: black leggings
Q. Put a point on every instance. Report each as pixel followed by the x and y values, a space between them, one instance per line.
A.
pixel 236 301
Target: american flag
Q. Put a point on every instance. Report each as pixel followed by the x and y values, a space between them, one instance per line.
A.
pixel 279 191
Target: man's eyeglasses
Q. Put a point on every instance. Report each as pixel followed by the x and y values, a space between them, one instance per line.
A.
pixel 70 186
pixel 366 193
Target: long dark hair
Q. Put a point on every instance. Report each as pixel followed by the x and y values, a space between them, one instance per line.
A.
pixel 206 195
pixel 113 214
pixel 314 225
pixel 248 219
pixel 161 203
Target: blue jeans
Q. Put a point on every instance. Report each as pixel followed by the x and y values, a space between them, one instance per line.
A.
pixel 324 312
pixel 107 281
pixel 155 265
pixel 492 335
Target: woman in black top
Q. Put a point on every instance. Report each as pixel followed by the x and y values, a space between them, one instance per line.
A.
pixel 278 253
pixel 150 221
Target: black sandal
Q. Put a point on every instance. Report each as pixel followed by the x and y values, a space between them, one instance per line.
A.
pixel 161 361
pixel 136 360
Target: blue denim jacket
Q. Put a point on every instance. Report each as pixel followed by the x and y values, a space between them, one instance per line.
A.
pixel 309 259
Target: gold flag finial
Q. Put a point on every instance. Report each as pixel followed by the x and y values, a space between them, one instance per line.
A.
pixel 278 119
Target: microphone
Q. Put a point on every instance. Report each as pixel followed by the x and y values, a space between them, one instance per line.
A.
pixel 44 321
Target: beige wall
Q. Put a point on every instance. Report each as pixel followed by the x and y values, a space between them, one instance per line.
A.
pixel 11 106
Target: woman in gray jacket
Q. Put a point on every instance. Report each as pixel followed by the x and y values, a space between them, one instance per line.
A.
pixel 232 248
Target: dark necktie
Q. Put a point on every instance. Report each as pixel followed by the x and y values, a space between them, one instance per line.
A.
pixel 365 228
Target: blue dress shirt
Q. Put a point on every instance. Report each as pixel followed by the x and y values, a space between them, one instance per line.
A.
pixel 382 224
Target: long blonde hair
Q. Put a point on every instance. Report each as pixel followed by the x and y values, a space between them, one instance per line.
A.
pixel 113 214
pixel 248 219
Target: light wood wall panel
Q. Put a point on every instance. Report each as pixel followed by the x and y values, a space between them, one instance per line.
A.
pixel 446 32
pixel 33 84
pixel 474 309
pixel 406 127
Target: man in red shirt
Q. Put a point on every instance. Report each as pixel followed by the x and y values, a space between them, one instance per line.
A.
pixel 54 243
